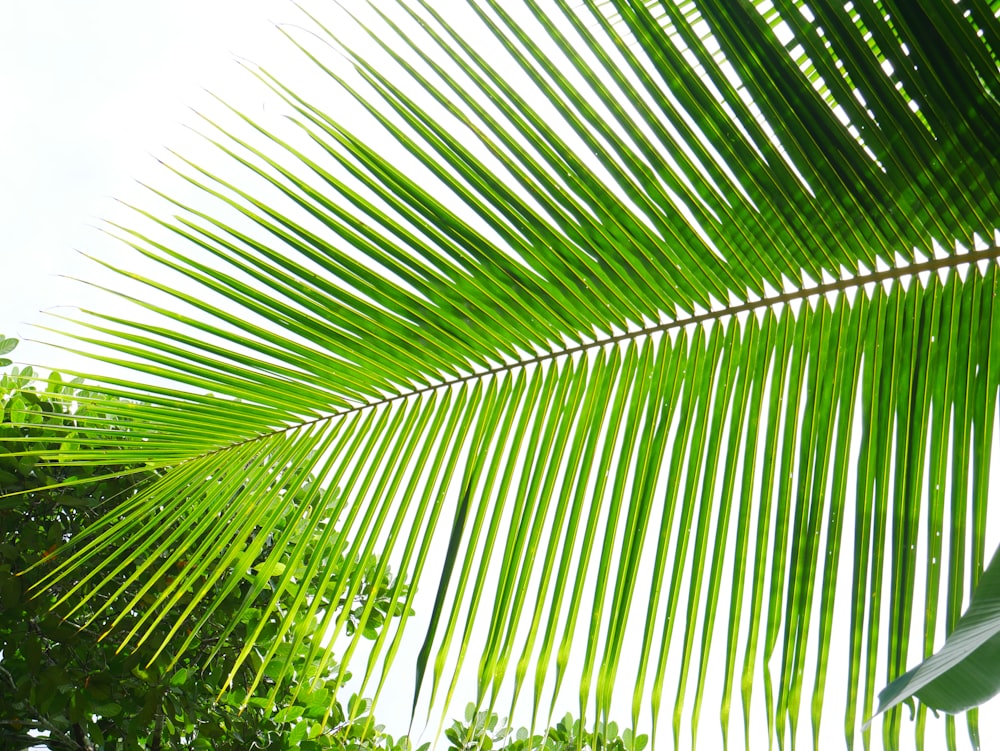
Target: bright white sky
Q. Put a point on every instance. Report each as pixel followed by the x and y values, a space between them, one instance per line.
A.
pixel 89 90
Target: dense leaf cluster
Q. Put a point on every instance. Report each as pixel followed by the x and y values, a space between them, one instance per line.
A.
pixel 62 688
pixel 487 731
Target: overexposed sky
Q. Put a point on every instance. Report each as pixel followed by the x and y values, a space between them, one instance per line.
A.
pixel 88 92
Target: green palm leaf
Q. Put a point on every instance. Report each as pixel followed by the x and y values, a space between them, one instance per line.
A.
pixel 629 306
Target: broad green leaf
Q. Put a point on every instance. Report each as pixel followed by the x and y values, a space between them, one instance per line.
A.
pixel 962 674
pixel 179 678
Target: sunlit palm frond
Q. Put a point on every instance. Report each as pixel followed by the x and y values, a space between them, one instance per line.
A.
pixel 618 324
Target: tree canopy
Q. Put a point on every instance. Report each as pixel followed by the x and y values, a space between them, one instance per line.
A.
pixel 61 688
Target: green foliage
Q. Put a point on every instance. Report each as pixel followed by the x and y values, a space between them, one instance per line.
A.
pixel 487 731
pixel 58 679
pixel 964 672
pixel 6 347
pixel 629 292
pixel 75 691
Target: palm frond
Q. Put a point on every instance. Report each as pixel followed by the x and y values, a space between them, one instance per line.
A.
pixel 650 308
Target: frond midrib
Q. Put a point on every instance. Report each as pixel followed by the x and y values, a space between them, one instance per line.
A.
pixel 895 273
